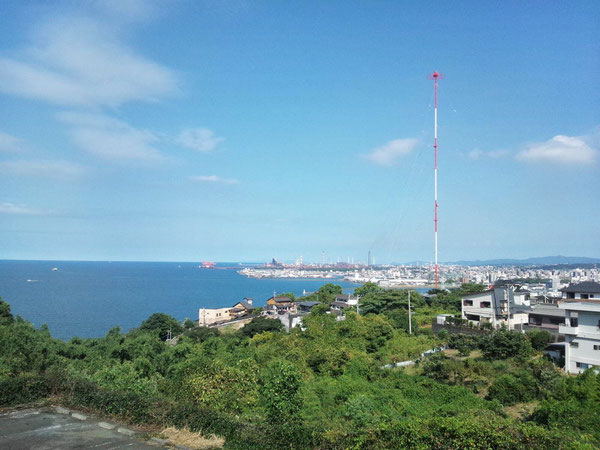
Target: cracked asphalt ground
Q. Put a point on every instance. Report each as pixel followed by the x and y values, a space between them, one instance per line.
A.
pixel 45 429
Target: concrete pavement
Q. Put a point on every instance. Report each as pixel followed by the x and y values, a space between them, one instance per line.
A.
pixel 58 428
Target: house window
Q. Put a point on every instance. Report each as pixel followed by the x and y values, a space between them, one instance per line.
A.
pixel 597 347
pixel 585 296
pixel 574 344
pixel 485 305
pixel 573 322
pixel 580 365
pixel 468 303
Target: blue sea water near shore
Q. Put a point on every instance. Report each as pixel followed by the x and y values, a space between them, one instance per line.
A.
pixel 87 299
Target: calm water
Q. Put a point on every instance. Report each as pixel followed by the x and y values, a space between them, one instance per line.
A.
pixel 87 299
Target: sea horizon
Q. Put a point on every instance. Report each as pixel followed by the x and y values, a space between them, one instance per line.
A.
pixel 88 298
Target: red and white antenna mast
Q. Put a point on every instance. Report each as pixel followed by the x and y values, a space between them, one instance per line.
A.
pixel 435 76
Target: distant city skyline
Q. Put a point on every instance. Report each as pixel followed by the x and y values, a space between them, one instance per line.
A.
pixel 247 130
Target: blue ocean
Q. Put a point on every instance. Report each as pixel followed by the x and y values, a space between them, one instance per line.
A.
pixel 87 299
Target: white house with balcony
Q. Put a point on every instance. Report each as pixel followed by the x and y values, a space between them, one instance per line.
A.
pixel 582 326
pixel 506 305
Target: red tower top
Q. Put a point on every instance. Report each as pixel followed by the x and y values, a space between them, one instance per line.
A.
pixel 435 75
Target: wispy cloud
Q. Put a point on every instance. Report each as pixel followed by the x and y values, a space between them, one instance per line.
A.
pixel 559 150
pixel 493 154
pixel 132 10
pixel 110 138
pixel 200 139
pixel 45 169
pixel 16 209
pixel 78 61
pixel 10 144
pixel 213 179
pixel 388 154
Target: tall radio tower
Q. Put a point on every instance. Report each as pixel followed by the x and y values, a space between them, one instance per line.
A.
pixel 435 76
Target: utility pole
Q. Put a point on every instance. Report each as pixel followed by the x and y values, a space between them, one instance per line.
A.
pixel 409 316
pixel 507 293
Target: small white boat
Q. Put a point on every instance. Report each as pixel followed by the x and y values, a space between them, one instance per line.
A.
pixel 54 269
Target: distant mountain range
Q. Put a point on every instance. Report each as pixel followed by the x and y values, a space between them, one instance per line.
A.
pixel 538 261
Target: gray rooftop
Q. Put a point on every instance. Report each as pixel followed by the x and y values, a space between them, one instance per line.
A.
pixel 586 287
pixel 548 310
pixel 307 304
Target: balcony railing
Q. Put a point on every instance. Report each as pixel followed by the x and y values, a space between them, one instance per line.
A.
pixel 567 329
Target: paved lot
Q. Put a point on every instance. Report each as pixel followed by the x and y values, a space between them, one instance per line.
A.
pixel 57 428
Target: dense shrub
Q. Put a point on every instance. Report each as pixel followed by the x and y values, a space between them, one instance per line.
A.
pixel 540 338
pixel 200 334
pixel 319 387
pixel 504 344
pixel 260 325
pixel 509 389
pixel 23 389
pixel 465 344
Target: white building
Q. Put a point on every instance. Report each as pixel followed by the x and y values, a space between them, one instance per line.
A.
pixel 582 326
pixel 213 316
pixel 501 305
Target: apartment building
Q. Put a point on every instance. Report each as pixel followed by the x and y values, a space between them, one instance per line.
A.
pixel 582 326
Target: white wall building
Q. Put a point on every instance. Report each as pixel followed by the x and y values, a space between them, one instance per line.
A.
pixel 212 316
pixel 501 305
pixel 582 326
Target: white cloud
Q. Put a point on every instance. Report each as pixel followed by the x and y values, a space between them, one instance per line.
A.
pixel 559 150
pixel 110 138
pixel 77 61
pixel 388 154
pixel 47 169
pixel 12 208
pixel 10 144
pixel 201 139
pixel 214 179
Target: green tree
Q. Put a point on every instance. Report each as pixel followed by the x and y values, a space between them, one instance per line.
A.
pixel 162 323
pixel 471 288
pixel 389 300
pixel 201 334
pixel 188 323
pixel 539 338
pixel 398 318
pixel 6 318
pixel 327 292
pixel 504 344
pixel 368 288
pixel 260 325
pixel 465 344
pixel 509 389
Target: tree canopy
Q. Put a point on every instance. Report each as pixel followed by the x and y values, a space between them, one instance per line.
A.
pixel 163 324
pixel 320 386
pixel 260 325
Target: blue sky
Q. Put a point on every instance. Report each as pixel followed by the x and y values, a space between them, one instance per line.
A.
pixel 245 130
